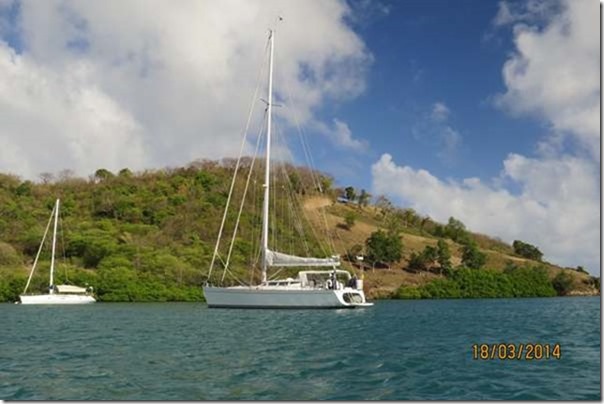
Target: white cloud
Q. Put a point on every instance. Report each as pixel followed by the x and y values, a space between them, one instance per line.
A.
pixel 557 209
pixel 341 135
pixel 451 141
pixel 53 121
pixel 440 112
pixel 433 128
pixel 553 74
pixel 530 11
pixel 164 82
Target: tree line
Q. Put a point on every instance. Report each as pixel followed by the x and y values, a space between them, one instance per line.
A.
pixel 144 236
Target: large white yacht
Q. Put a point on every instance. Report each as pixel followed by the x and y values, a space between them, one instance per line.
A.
pixel 327 288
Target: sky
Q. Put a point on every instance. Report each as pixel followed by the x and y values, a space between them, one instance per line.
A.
pixel 487 111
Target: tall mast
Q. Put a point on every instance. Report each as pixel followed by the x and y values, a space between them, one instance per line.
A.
pixel 54 242
pixel 268 159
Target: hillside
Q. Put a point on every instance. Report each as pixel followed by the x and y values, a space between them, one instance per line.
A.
pixel 149 236
pixel 384 282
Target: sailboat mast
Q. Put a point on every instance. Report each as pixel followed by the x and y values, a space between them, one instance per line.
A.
pixel 265 216
pixel 54 243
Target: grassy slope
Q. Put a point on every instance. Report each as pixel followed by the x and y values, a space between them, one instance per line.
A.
pixel 157 229
pixel 383 282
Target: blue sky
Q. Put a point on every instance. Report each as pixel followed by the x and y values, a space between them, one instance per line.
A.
pixel 503 154
pixel 488 111
pixel 427 52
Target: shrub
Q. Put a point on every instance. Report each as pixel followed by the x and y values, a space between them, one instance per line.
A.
pixel 563 283
pixel 384 248
pixel 527 250
pixel 472 257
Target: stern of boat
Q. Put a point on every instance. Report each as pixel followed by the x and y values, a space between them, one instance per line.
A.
pixel 350 297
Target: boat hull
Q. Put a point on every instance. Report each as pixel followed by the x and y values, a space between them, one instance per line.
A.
pixel 264 298
pixel 56 299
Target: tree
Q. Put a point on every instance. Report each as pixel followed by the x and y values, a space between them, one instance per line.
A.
pixel 384 205
pixel 24 189
pixel 8 255
pixel 383 248
pixel 125 172
pixel 326 182
pixel 46 177
pixel 351 194
pixel 423 261
pixel 350 219
pixel 438 230
pixel 393 222
pixel 443 256
pixel 472 257
pixel 527 250
pixel 410 218
pixel 455 230
pixel 354 252
pixel 596 281
pixel 417 262
pixel 364 198
pixel 581 269
pixel 426 221
pixel 102 174
pixel 295 181
pixel 66 175
pixel 563 283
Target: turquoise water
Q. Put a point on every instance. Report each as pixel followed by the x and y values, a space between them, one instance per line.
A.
pixel 395 350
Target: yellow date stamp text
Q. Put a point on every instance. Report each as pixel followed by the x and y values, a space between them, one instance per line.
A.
pixel 520 351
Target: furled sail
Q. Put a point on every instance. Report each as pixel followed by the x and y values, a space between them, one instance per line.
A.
pixel 277 259
pixel 70 289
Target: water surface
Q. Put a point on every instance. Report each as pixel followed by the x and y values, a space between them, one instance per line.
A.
pixel 395 350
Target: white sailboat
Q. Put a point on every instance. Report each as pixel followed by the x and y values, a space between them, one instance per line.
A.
pixel 57 294
pixel 330 288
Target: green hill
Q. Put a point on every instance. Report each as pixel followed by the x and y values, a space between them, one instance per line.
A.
pixel 149 236
pixel 417 233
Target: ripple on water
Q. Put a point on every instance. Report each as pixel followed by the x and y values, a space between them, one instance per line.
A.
pixel 396 350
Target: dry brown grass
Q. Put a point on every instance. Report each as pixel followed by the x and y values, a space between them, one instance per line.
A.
pixel 381 283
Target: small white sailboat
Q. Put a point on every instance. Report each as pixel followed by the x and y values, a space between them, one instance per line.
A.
pixel 330 288
pixel 57 294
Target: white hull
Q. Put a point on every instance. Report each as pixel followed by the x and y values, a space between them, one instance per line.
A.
pixel 56 298
pixel 281 298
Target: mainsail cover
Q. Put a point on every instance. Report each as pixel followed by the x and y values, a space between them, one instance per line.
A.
pixel 277 259
pixel 70 289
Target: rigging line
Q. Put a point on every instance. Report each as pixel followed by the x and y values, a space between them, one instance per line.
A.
pixel 254 256
pixel 297 222
pixel 233 276
pixel 63 245
pixel 303 142
pixel 39 250
pixel 247 183
pixel 277 189
pixel 276 273
pixel 274 209
pixel 253 227
pixel 310 161
pixel 299 203
pixel 339 238
pixel 288 198
pixel 258 247
pixel 315 233
pixel 284 158
pixel 255 263
pixel 243 142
